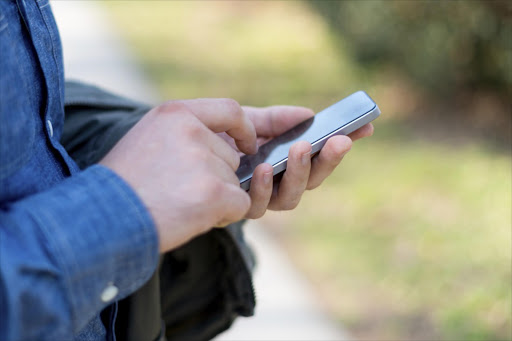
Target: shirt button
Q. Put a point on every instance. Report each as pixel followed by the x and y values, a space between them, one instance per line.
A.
pixel 109 293
pixel 50 127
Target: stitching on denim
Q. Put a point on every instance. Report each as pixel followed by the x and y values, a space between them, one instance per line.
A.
pixel 58 256
pixel 55 59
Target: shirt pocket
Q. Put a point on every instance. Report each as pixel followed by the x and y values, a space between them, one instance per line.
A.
pixel 17 122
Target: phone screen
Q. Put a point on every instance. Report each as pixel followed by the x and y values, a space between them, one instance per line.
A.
pixel 312 130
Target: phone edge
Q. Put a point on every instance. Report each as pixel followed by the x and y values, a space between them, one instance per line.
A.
pixel 316 146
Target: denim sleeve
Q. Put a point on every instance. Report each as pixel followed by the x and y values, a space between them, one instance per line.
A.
pixel 61 248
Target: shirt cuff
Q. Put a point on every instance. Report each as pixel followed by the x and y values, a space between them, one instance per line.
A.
pixel 102 236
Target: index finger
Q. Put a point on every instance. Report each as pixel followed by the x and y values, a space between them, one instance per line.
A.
pixel 275 120
pixel 225 115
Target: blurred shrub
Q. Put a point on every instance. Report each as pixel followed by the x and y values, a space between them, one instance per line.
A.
pixel 448 48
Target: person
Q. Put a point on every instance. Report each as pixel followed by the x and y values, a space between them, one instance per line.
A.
pixel 107 204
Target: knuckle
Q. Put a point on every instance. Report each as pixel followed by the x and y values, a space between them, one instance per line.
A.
pixel 232 104
pixel 172 107
pixel 212 189
pixel 216 188
pixel 202 185
pixel 193 130
pixel 233 107
pixel 290 204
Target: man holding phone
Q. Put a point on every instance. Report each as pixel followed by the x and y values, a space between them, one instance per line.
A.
pixel 197 188
pixel 73 241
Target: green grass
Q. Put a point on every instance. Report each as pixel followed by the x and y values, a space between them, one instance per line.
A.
pixel 411 238
pixel 407 230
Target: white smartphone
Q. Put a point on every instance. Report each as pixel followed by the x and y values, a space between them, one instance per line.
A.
pixel 342 118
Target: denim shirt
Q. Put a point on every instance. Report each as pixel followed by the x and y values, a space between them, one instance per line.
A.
pixel 71 242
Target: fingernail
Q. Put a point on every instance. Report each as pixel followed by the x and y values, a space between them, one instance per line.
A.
pixel 305 158
pixel 267 177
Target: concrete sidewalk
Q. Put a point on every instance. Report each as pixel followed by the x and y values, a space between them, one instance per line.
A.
pixel 286 305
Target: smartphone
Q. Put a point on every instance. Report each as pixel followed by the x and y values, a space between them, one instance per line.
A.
pixel 342 118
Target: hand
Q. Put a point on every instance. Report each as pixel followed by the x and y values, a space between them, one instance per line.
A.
pixel 182 170
pixel 302 172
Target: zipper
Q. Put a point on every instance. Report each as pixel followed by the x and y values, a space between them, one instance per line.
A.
pixel 246 266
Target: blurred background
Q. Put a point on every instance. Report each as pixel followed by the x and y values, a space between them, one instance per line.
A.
pixel 411 238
